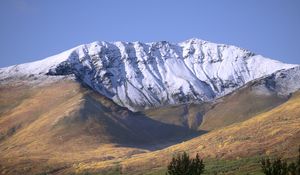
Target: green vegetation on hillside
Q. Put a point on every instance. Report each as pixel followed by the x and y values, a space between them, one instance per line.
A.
pixel 280 167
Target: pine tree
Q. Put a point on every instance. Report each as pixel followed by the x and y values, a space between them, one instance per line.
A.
pixel 281 167
pixel 183 165
pixel 197 165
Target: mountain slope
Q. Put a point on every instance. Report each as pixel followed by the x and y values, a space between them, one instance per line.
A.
pixel 147 75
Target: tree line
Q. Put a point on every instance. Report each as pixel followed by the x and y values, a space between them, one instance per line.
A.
pixel 182 164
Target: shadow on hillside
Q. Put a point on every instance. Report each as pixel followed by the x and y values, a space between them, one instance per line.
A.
pixel 153 134
pixel 104 122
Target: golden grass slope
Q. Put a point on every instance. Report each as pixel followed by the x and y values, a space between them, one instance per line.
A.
pixel 276 132
pixel 55 126
pixel 52 128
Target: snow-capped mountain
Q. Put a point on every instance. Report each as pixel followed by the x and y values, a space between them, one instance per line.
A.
pixel 145 75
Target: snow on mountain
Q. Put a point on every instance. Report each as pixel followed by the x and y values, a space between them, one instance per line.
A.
pixel 145 75
pixel 282 82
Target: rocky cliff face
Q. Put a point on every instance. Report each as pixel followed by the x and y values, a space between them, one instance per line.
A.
pixel 146 75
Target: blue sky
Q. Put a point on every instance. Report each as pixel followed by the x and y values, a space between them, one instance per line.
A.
pixel 34 29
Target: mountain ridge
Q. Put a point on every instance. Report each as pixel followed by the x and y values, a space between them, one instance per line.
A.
pixel 146 75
